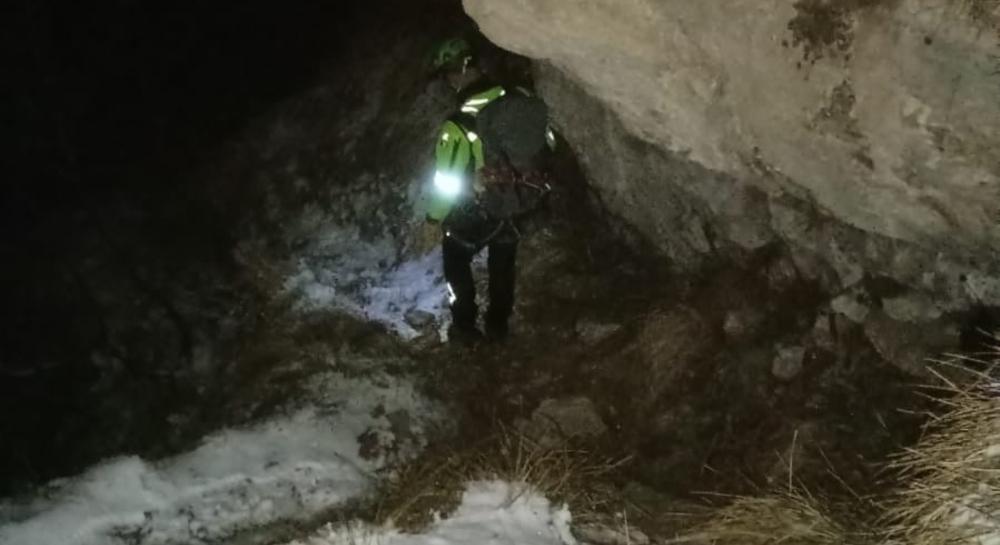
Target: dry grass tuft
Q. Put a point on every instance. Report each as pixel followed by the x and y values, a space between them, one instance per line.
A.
pixel 789 517
pixel 951 490
pixel 345 533
pixel 420 489
pixel 434 483
pixel 949 483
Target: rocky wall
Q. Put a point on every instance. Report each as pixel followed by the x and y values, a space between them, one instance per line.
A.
pixel 860 135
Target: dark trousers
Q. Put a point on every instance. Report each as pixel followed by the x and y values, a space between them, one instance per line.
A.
pixel 458 272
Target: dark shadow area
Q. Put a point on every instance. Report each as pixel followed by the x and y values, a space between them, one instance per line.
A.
pixel 119 277
pixel 978 335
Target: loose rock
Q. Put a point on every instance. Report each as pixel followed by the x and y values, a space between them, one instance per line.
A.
pixel 911 308
pixel 906 345
pixel 742 324
pixel 418 319
pixel 788 363
pixel 848 305
pixel 595 332
pixel 824 331
pixel 782 274
pixel 556 420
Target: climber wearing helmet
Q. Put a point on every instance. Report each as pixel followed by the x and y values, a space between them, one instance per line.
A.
pixel 488 178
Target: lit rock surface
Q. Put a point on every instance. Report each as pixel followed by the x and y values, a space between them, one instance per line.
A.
pixel 718 127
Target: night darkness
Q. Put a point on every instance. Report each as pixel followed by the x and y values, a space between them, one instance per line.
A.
pixel 110 108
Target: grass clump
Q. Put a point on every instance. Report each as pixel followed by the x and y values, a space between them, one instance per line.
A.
pixel 433 484
pixel 792 517
pixel 951 477
pixel 947 488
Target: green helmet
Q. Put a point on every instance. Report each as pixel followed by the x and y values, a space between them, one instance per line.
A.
pixel 452 53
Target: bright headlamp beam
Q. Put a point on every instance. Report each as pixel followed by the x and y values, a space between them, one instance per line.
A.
pixel 447 184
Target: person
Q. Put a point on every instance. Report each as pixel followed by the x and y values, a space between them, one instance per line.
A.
pixel 489 177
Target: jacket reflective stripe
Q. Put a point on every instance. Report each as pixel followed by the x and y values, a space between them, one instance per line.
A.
pixel 474 104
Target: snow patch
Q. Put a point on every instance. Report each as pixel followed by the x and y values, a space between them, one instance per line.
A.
pixel 979 524
pixel 992 451
pixel 491 513
pixel 290 467
pixel 340 270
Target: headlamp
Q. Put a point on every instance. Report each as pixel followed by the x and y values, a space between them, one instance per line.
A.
pixel 449 185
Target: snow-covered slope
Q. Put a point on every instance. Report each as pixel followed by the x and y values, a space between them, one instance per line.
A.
pixel 290 467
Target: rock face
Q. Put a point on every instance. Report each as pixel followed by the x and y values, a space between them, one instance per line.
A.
pixel 558 420
pixel 864 135
pixel 908 346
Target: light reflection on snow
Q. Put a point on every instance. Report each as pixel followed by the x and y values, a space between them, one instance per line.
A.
pixel 341 272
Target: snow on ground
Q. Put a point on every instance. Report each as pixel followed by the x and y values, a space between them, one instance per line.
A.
pixel 973 517
pixel 491 513
pixel 339 270
pixel 289 467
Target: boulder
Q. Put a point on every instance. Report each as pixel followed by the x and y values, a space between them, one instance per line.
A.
pixel 557 420
pixel 722 127
pixel 752 85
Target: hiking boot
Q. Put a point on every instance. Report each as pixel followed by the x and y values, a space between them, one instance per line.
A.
pixel 497 332
pixel 464 336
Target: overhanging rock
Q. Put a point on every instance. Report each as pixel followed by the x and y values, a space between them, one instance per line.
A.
pixel 865 135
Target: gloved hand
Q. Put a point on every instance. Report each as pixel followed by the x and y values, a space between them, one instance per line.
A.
pixel 426 237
